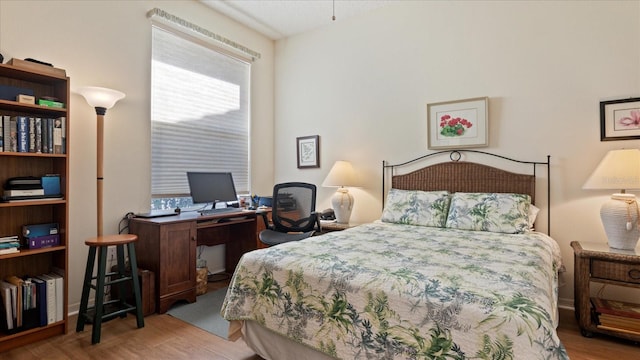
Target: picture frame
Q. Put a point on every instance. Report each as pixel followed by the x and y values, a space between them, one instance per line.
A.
pixel 458 124
pixel 308 150
pixel 620 119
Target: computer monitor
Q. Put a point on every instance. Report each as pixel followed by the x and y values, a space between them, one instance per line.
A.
pixel 211 187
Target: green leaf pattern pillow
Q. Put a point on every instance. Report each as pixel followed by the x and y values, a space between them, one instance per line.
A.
pixel 494 212
pixel 414 207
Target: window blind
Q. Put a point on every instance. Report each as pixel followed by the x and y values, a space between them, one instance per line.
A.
pixel 199 113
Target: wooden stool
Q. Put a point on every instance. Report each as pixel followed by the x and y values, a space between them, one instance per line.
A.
pixel 107 310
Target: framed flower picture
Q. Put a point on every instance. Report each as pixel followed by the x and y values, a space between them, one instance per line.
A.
pixel 308 150
pixel 620 119
pixel 458 124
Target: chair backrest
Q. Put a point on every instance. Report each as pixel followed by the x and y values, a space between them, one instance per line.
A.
pixel 292 207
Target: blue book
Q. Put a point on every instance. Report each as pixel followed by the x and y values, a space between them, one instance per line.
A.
pixel 22 124
pixel 41 300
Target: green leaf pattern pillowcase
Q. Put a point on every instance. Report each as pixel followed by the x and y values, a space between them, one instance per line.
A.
pixel 494 212
pixel 414 207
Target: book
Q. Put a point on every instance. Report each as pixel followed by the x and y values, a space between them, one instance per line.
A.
pixel 10 244
pixel 51 297
pixel 24 192
pixel 9 250
pixel 45 241
pixel 614 307
pixel 50 135
pixel 50 103
pixel 57 136
pixel 22 137
pixel 13 133
pixel 32 134
pixel 44 132
pixel 59 299
pixel 1 134
pixel 6 133
pixel 619 321
pixel 9 238
pixel 38 135
pixel 18 283
pixel 41 300
pixel 63 119
pixel 8 299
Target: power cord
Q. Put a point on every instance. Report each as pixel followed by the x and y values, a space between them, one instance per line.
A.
pixel 123 225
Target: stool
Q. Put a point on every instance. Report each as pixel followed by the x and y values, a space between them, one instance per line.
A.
pixel 107 310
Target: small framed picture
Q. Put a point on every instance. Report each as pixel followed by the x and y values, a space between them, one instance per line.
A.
pixel 620 119
pixel 458 124
pixel 308 151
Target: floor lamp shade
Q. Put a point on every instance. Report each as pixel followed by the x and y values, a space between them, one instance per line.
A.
pixel 619 170
pixel 100 99
pixel 341 175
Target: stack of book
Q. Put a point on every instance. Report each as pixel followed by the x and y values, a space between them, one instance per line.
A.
pixel 617 315
pixel 9 244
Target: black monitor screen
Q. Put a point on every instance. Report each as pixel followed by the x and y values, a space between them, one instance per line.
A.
pixel 211 187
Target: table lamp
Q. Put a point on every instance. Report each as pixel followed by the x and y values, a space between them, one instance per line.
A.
pixel 101 99
pixel 341 175
pixel 619 169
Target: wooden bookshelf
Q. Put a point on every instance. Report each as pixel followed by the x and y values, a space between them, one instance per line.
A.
pixel 13 215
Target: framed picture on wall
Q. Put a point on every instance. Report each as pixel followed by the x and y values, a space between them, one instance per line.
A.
pixel 458 124
pixel 308 150
pixel 620 119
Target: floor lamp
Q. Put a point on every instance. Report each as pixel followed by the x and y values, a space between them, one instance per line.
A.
pixel 101 99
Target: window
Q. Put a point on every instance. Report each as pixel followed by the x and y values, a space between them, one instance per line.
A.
pixel 199 116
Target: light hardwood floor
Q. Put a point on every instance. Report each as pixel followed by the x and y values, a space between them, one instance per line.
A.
pixel 165 337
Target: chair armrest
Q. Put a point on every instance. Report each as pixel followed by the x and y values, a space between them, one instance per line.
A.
pixel 264 218
pixel 316 216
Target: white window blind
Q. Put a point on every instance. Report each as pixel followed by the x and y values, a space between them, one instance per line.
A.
pixel 199 113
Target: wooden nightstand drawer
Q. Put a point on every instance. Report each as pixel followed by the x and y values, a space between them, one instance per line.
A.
pixel 608 270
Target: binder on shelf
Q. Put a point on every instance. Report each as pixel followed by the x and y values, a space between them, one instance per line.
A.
pixel 46 241
pixel 51 297
pixel 37 230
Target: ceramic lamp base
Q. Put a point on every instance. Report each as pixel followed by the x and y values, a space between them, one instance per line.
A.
pixel 342 204
pixel 620 220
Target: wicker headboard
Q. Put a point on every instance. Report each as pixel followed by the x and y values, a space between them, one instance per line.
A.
pixel 463 176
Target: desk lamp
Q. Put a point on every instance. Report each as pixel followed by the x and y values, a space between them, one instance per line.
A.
pixel 341 175
pixel 101 99
pixel 619 169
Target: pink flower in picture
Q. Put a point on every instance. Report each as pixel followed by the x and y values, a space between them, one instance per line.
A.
pixel 631 121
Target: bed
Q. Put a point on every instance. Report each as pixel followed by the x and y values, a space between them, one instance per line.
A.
pixel 452 270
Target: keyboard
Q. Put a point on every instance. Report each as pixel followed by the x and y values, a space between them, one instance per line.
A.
pixel 219 211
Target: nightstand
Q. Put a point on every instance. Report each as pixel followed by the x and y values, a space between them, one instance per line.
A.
pixel 329 226
pixel 596 262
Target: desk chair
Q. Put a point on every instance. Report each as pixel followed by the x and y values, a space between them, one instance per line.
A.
pixel 293 215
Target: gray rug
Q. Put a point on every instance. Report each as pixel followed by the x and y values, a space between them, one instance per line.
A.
pixel 204 313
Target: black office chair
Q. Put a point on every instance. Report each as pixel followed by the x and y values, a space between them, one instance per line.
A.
pixel 293 214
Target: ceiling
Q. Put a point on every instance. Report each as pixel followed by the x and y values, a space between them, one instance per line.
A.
pixel 278 19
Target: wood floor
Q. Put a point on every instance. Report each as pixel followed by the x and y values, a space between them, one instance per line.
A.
pixel 165 337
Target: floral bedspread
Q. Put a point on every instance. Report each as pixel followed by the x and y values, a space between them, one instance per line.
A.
pixel 392 291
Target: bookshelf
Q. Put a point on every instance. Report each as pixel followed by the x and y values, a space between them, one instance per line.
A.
pixel 44 82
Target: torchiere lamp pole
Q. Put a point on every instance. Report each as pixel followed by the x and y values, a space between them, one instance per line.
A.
pixel 101 99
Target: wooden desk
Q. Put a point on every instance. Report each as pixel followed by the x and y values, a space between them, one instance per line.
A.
pixel 167 246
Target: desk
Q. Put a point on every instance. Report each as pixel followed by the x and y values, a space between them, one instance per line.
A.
pixel 167 246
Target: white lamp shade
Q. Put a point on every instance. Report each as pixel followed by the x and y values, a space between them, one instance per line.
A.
pixel 619 170
pixel 341 174
pixel 99 97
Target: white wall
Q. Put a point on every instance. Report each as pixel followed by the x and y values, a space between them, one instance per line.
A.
pixel 108 43
pixel 363 86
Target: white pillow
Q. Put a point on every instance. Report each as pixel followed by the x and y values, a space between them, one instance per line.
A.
pixel 494 212
pixel 415 207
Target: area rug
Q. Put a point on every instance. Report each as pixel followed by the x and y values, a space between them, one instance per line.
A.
pixel 204 313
